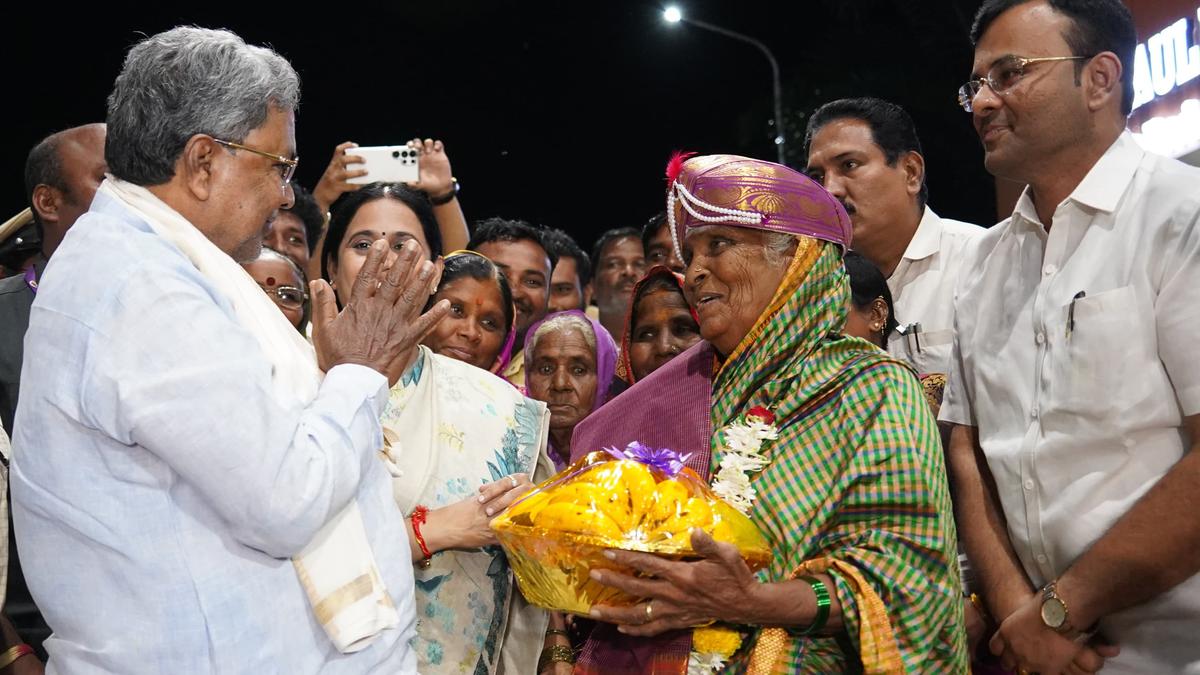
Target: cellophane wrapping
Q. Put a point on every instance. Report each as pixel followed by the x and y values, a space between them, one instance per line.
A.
pixel 637 500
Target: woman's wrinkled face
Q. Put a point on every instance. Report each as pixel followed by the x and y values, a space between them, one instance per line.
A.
pixel 474 331
pixel 562 373
pixel 731 278
pixel 663 328
pixel 383 218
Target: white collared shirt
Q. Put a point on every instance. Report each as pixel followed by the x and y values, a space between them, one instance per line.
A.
pixel 922 287
pixel 1077 424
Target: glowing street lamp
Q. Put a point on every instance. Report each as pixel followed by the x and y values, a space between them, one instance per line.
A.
pixel 673 14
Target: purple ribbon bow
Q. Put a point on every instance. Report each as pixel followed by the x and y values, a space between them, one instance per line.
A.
pixel 663 459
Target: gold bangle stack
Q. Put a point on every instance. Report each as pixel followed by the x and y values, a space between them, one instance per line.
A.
pixel 555 654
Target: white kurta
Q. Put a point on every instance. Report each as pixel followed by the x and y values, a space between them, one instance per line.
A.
pixel 160 487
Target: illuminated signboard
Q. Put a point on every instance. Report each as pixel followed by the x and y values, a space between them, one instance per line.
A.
pixel 1166 85
pixel 1165 61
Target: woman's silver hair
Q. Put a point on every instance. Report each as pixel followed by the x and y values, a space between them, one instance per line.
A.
pixel 562 322
pixel 776 247
pixel 189 81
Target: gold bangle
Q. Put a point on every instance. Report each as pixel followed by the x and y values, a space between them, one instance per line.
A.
pixel 556 631
pixel 13 653
pixel 555 654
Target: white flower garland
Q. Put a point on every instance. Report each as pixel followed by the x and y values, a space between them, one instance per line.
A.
pixel 741 448
pixel 705 664
pixel 742 457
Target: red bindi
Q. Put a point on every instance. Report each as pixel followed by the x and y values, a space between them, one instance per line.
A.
pixel 270 281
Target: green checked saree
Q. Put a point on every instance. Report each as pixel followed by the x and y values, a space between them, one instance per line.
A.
pixel 856 486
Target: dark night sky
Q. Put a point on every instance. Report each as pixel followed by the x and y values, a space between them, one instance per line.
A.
pixel 559 113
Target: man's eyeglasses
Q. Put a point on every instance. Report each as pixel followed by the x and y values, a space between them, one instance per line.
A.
pixel 1003 76
pixel 287 297
pixel 289 165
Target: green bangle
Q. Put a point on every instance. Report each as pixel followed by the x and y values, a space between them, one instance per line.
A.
pixel 823 603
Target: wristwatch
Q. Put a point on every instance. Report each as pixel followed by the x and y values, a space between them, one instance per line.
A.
pixel 439 200
pixel 1054 610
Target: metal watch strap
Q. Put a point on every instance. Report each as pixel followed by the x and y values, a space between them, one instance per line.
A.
pixel 1050 592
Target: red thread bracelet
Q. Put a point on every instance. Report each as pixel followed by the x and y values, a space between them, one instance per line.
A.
pixel 418 517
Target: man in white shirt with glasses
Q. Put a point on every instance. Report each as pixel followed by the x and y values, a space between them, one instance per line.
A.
pixel 1074 388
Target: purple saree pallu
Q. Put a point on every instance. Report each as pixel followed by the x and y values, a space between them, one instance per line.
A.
pixel 671 408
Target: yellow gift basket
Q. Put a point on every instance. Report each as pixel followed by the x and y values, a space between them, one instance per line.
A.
pixel 638 499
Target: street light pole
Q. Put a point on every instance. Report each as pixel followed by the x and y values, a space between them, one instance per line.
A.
pixel 674 15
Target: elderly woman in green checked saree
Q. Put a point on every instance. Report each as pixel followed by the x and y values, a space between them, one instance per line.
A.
pixel 822 439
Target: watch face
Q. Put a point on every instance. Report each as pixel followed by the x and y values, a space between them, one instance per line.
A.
pixel 1054 612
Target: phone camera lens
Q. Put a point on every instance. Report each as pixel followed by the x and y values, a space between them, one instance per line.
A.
pixel 396 153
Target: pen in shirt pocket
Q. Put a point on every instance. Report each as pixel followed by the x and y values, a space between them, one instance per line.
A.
pixel 912 332
pixel 1071 312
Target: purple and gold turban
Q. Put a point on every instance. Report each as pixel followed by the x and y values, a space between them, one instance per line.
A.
pixel 744 192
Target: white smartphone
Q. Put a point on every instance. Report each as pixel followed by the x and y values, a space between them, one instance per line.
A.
pixel 387 163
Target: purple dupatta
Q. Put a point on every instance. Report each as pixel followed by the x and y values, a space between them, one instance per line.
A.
pixel 671 408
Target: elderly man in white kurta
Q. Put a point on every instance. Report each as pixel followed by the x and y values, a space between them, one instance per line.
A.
pixel 190 494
